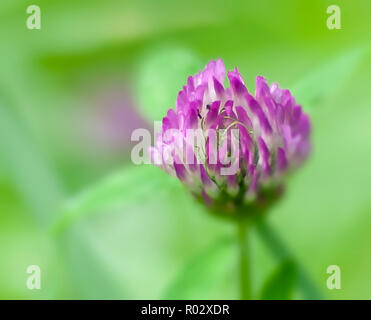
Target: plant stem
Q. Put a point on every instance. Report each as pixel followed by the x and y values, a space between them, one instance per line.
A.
pixel 245 283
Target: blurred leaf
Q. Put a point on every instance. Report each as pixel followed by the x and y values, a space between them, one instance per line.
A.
pixel 161 75
pixel 28 168
pixel 201 275
pixel 22 243
pixel 280 285
pixel 130 185
pixel 94 220
pixel 278 249
pixel 325 79
pixel 136 247
pixel 91 273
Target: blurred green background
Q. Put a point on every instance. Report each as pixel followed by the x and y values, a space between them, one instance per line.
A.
pixel 70 96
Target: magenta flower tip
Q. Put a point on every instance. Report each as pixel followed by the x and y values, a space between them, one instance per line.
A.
pixel 230 147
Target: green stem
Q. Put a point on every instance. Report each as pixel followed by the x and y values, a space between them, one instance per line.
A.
pixel 245 283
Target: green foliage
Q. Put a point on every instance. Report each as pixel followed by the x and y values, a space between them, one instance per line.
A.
pixel 325 79
pixel 25 164
pixel 199 277
pixel 280 252
pixel 121 189
pixel 91 270
pixel 162 73
pixel 130 239
pixel 281 283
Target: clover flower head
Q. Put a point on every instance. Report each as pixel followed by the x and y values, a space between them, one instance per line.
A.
pixel 230 147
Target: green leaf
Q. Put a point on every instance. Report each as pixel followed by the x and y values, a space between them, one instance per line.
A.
pixel 135 248
pixel 201 274
pixel 121 189
pixel 324 80
pixel 28 168
pixel 279 250
pixel 92 273
pixel 280 285
pixel 162 72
